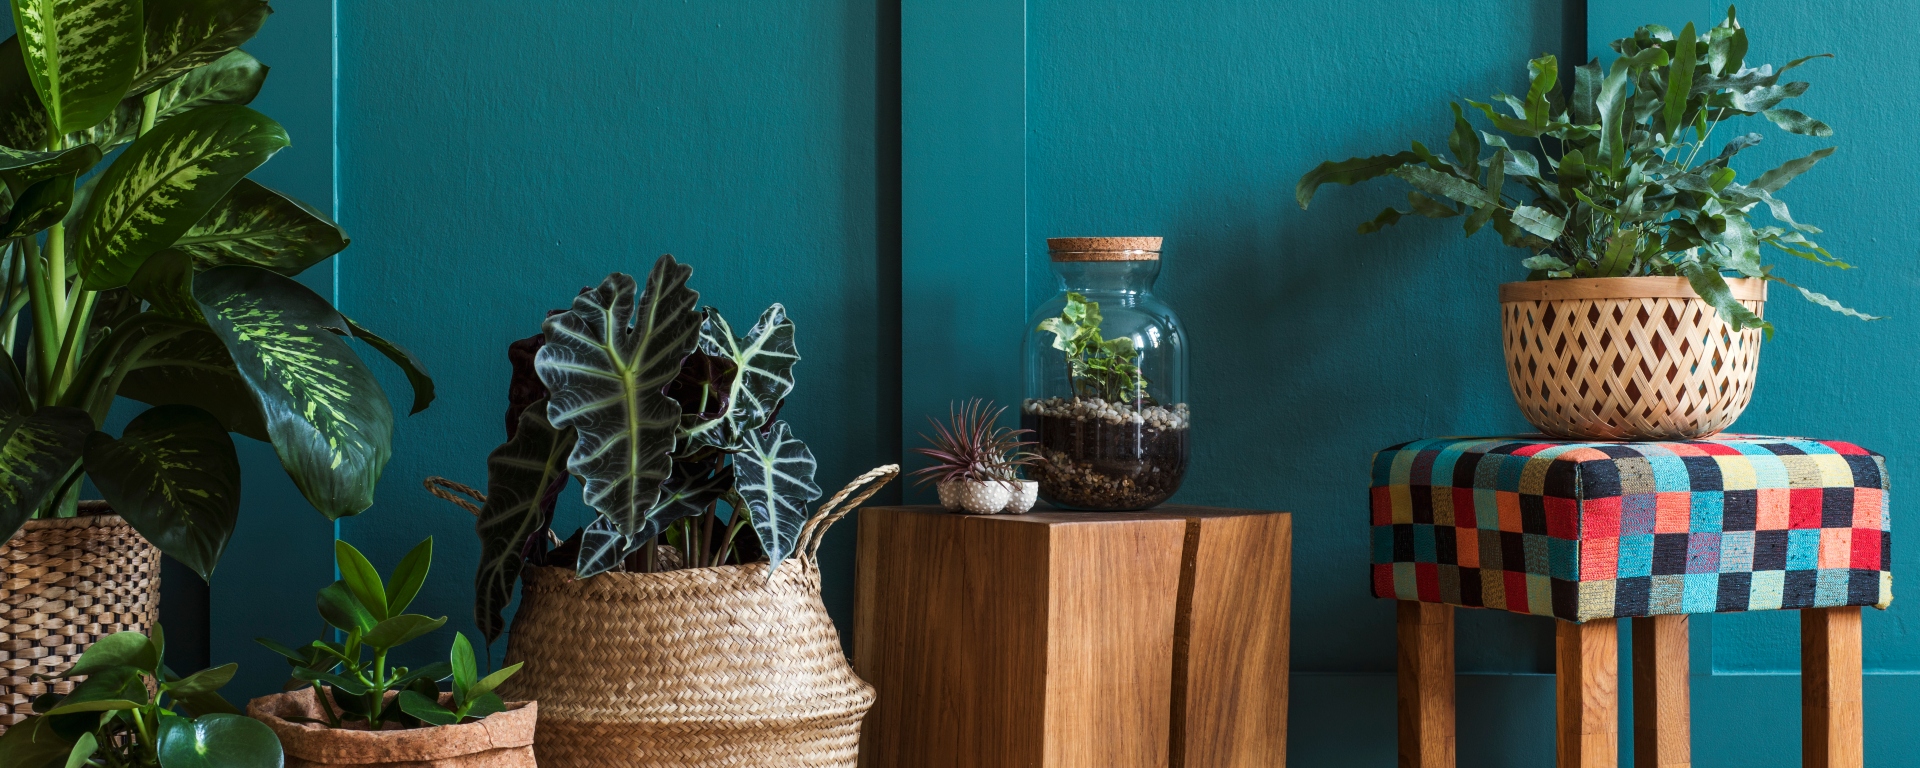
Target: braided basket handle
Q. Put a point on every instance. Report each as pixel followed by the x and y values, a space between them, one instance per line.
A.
pixel 444 488
pixel 814 533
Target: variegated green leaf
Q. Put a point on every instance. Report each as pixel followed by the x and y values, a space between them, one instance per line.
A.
pixel 164 183
pixel 37 453
pixel 174 476
pixel 233 79
pixel 329 420
pixel 606 361
pixel 763 362
pixel 258 226
pixel 193 368
pixel 23 167
pixel 40 206
pixel 776 480
pixel 524 478
pixel 80 54
pixel 184 34
pixel 23 122
pixel 165 282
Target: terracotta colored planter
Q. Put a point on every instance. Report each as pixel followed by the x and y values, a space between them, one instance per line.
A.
pixel 504 740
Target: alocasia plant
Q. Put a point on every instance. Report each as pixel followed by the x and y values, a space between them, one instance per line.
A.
pixel 1619 178
pixel 662 413
pixel 166 277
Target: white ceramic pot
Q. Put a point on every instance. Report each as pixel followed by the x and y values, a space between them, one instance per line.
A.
pixel 974 497
pixel 1022 497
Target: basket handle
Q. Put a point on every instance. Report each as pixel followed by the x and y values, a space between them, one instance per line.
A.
pixel 444 488
pixel 814 533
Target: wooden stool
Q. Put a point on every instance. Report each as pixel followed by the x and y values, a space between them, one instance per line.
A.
pixel 1592 533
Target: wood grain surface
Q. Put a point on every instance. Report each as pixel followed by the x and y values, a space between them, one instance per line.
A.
pixel 1062 640
pixel 1662 708
pixel 1831 734
pixel 1587 694
pixel 1425 700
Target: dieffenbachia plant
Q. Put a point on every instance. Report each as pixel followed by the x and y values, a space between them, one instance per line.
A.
pixel 166 277
pixel 1619 179
pixel 662 413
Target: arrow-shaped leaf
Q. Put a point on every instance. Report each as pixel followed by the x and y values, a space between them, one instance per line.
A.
pixel 174 476
pixel 329 420
pixel 524 477
pixel 763 375
pixel 606 361
pixel 80 54
pixel 776 480
pixel 258 226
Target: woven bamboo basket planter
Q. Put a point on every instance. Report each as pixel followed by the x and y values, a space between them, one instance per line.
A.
pixel 1627 358
pixel 68 582
pixel 695 668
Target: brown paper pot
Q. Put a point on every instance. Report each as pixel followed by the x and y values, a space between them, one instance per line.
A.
pixel 68 582
pixel 504 740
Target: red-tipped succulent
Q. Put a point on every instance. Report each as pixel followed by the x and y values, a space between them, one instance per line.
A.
pixel 971 448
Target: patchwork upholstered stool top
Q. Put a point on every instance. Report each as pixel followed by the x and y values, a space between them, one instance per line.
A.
pixel 1583 531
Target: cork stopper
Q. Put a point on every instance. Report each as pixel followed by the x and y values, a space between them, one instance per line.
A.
pixel 1103 248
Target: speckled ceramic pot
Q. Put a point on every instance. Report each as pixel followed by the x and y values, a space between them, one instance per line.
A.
pixel 1022 497
pixel 975 497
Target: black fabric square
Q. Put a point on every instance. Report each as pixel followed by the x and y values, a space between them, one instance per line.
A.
pixel 1630 595
pixel 1736 591
pixel 1491 558
pixel 1449 578
pixel 1421 473
pixel 1770 550
pixel 1866 472
pixel 1703 473
pixel 1783 449
pixel 1599 479
pixel 1620 451
pixel 1422 503
pixel 1562 480
pixel 1669 554
pixel 1566 599
pixel 1836 507
pixel 1464 469
pixel 1470 590
pixel 1403 543
pixel 1863 587
pixel 1739 510
pixel 1513 551
pixel 1446 544
pixel 1886 550
pixel 1798 592
pixel 1533 514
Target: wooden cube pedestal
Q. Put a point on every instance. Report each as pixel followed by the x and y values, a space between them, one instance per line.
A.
pixel 1067 639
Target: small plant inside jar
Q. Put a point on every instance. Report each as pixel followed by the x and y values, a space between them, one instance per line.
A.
pixel 977 465
pixel 1111 445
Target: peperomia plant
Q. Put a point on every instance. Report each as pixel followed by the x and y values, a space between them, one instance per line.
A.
pixel 131 711
pixel 167 278
pixel 351 678
pixel 1619 179
pixel 1108 369
pixel 662 413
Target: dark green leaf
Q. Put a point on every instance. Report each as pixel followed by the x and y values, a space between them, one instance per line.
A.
pixel 165 282
pixel 106 689
pixel 1350 171
pixel 38 452
pixel 409 576
pixel 605 362
pixel 1764 98
pixel 330 422
pixel 80 54
pixel 234 79
pixel 42 205
pixel 763 375
pixel 1386 218
pixel 426 709
pixel 1429 207
pixel 32 743
pixel 120 649
pixel 183 35
pixel 1439 184
pixel 524 476
pixel 1586 93
pixel 1464 142
pixel 402 629
pixel 21 167
pixel 192 367
pixel 360 577
pixel 415 370
pixel 1508 123
pixel 490 682
pixel 1712 287
pixel 1612 105
pixel 438 670
pixel 23 122
pixel 465 671
pixel 1793 121
pixel 1734 147
pixel 208 703
pixel 1773 180
pixel 291 654
pixel 341 683
pixel 775 476
pixel 165 182
pixel 204 681
pixel 344 611
pixel 218 741
pixel 1823 300
pixel 257 226
pixel 1680 82
pixel 174 476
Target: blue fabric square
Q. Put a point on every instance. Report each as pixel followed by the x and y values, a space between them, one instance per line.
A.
pixel 1382 544
pixel 1564 555
pixel 1702 593
pixel 1424 550
pixel 1707 511
pixel 1803 549
pixel 1636 556
pixel 1736 552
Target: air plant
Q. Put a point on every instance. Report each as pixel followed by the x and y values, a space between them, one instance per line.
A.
pixel 972 449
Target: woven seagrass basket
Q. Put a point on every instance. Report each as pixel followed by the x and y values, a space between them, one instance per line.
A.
pixel 1628 358
pixel 68 582
pixel 695 668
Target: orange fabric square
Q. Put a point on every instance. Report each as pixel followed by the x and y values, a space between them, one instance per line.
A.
pixel 1672 512
pixel 1836 547
pixel 1509 504
pixel 1467 548
pixel 1772 505
pixel 1868 508
pixel 1600 560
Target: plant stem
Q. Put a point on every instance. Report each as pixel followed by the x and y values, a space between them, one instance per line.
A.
pixel 43 344
pixel 68 358
pixel 149 109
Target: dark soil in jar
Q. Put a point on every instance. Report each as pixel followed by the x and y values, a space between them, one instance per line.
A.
pixel 1106 456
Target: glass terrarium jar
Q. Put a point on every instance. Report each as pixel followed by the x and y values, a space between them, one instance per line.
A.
pixel 1106 379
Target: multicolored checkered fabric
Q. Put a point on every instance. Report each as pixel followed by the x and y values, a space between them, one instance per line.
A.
pixel 1584 531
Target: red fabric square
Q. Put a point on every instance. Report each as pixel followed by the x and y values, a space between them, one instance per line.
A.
pixel 1382 505
pixel 1803 507
pixel 1563 517
pixel 1427 577
pixel 1516 590
pixel 1464 514
pixel 1599 519
pixel 1383 580
pixel 1599 559
pixel 1844 448
pixel 1866 549
pixel 1717 449
pixel 1529 450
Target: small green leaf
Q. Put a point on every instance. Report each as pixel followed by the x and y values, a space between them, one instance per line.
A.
pixel 438 670
pixel 1544 225
pixel 465 671
pixel 360 576
pixel 120 649
pixel 105 690
pixel 408 577
pixel 1464 142
pixel 204 681
pixel 1544 263
pixel 1712 287
pixel 340 683
pixel 1387 218
pixel 40 206
pixel 275 646
pixel 1680 82
pixel 401 629
pixel 492 681
pixel 342 610
pixel 1773 180
pixel 1823 300
pixel 1793 121
pixel 484 705
pixel 1350 171
pixel 1544 75
pixel 1429 207
pixel 218 741
pixel 83 750
pixel 426 709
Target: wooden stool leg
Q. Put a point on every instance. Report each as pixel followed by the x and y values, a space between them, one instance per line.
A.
pixel 1661 710
pixel 1426 685
pixel 1587 689
pixel 1830 715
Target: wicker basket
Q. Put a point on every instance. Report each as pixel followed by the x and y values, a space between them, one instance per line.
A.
pixel 691 668
pixel 1627 358
pixel 69 582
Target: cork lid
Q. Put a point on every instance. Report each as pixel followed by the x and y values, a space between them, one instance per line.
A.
pixel 1103 248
